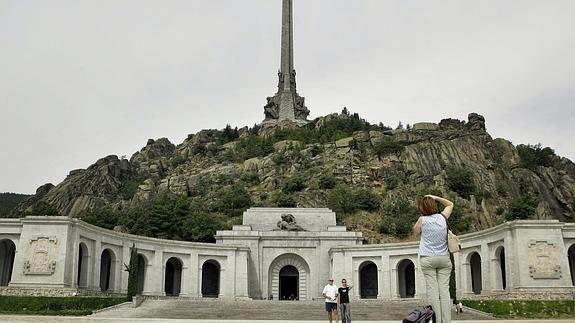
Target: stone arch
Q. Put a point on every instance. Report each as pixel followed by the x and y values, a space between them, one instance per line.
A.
pixel 368 280
pixel 107 270
pixel 500 275
pixel 141 273
pixel 406 278
pixel 274 274
pixel 83 264
pixel 211 278
pixel 475 272
pixel 7 254
pixel 173 277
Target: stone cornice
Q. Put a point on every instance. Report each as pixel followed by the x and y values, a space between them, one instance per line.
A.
pixel 127 236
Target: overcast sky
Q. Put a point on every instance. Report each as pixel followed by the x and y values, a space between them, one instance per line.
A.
pixel 80 80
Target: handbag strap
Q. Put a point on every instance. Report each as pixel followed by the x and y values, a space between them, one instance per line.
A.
pixel 446 222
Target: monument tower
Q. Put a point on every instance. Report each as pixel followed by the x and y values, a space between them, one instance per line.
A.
pixel 286 103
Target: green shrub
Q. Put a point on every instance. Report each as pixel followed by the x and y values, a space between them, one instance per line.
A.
pixel 254 146
pixel 460 180
pixel 459 222
pixel 250 178
pixel 521 208
pixel 34 305
pixel 228 134
pixel 171 216
pixel 330 129
pixel 202 226
pixel 9 201
pixel 316 150
pixel 106 218
pixel 202 186
pixel 282 199
pixel 341 200
pixel 279 158
pixel 399 217
pixel 130 186
pixel 232 200
pixel 524 309
pixel 198 149
pixel 175 161
pixel 295 183
pixel 43 208
pixel 391 182
pixel 327 181
pixel 367 200
pixel 387 146
pixel 533 156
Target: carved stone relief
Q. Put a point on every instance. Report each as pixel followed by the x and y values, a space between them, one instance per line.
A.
pixel 41 256
pixel 543 260
pixel 288 223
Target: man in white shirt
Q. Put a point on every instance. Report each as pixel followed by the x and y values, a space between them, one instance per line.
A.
pixel 330 294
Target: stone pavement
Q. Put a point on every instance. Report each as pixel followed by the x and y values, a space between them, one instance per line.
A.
pixel 176 310
pixel 92 319
pixel 221 309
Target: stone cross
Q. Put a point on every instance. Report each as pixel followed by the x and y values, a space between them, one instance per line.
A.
pixel 286 103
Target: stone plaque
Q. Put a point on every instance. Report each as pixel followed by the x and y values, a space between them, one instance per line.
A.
pixel 41 256
pixel 543 257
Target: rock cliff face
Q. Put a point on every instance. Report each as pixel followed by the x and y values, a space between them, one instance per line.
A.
pixel 419 162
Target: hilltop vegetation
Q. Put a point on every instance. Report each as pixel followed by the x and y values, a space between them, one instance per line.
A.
pixel 8 201
pixel 370 175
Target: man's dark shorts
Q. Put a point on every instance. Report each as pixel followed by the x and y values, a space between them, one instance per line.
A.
pixel 330 306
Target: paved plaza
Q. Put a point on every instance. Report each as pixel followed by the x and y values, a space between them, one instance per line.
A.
pixel 70 319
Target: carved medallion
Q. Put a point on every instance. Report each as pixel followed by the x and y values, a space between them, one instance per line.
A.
pixel 543 257
pixel 41 256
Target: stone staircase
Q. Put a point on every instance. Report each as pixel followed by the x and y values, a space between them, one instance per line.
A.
pixel 185 308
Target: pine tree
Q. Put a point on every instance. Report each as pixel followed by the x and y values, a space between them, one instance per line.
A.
pixel 132 270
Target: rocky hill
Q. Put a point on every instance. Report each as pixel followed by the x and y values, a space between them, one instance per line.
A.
pixel 370 175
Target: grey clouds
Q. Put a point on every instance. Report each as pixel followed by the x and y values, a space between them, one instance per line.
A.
pixel 80 80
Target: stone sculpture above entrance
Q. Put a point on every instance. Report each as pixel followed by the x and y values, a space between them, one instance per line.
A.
pixel 270 219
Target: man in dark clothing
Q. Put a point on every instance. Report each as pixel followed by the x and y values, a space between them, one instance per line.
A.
pixel 343 297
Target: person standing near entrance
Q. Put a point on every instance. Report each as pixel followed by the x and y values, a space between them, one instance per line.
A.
pixel 343 297
pixel 330 294
pixel 434 257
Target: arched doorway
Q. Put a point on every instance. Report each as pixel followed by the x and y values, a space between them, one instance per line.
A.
pixel 289 282
pixel 83 259
pixel 475 267
pixel 107 270
pixel 7 253
pixel 368 280
pixel 211 279
pixel 299 289
pixel 500 255
pixel 141 274
pixel 173 279
pixel 406 278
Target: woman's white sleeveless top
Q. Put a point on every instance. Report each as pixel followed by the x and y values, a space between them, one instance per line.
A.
pixel 433 236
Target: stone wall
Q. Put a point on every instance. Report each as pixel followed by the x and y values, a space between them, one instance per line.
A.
pixel 49 292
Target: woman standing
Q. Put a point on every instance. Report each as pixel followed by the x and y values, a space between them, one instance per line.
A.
pixel 434 257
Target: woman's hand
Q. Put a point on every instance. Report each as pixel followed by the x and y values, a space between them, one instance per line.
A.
pixel 447 203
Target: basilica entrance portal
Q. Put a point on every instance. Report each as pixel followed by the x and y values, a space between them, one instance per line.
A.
pixel 289 283
pixel 288 278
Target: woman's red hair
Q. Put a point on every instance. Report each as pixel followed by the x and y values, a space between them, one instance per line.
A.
pixel 427 206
